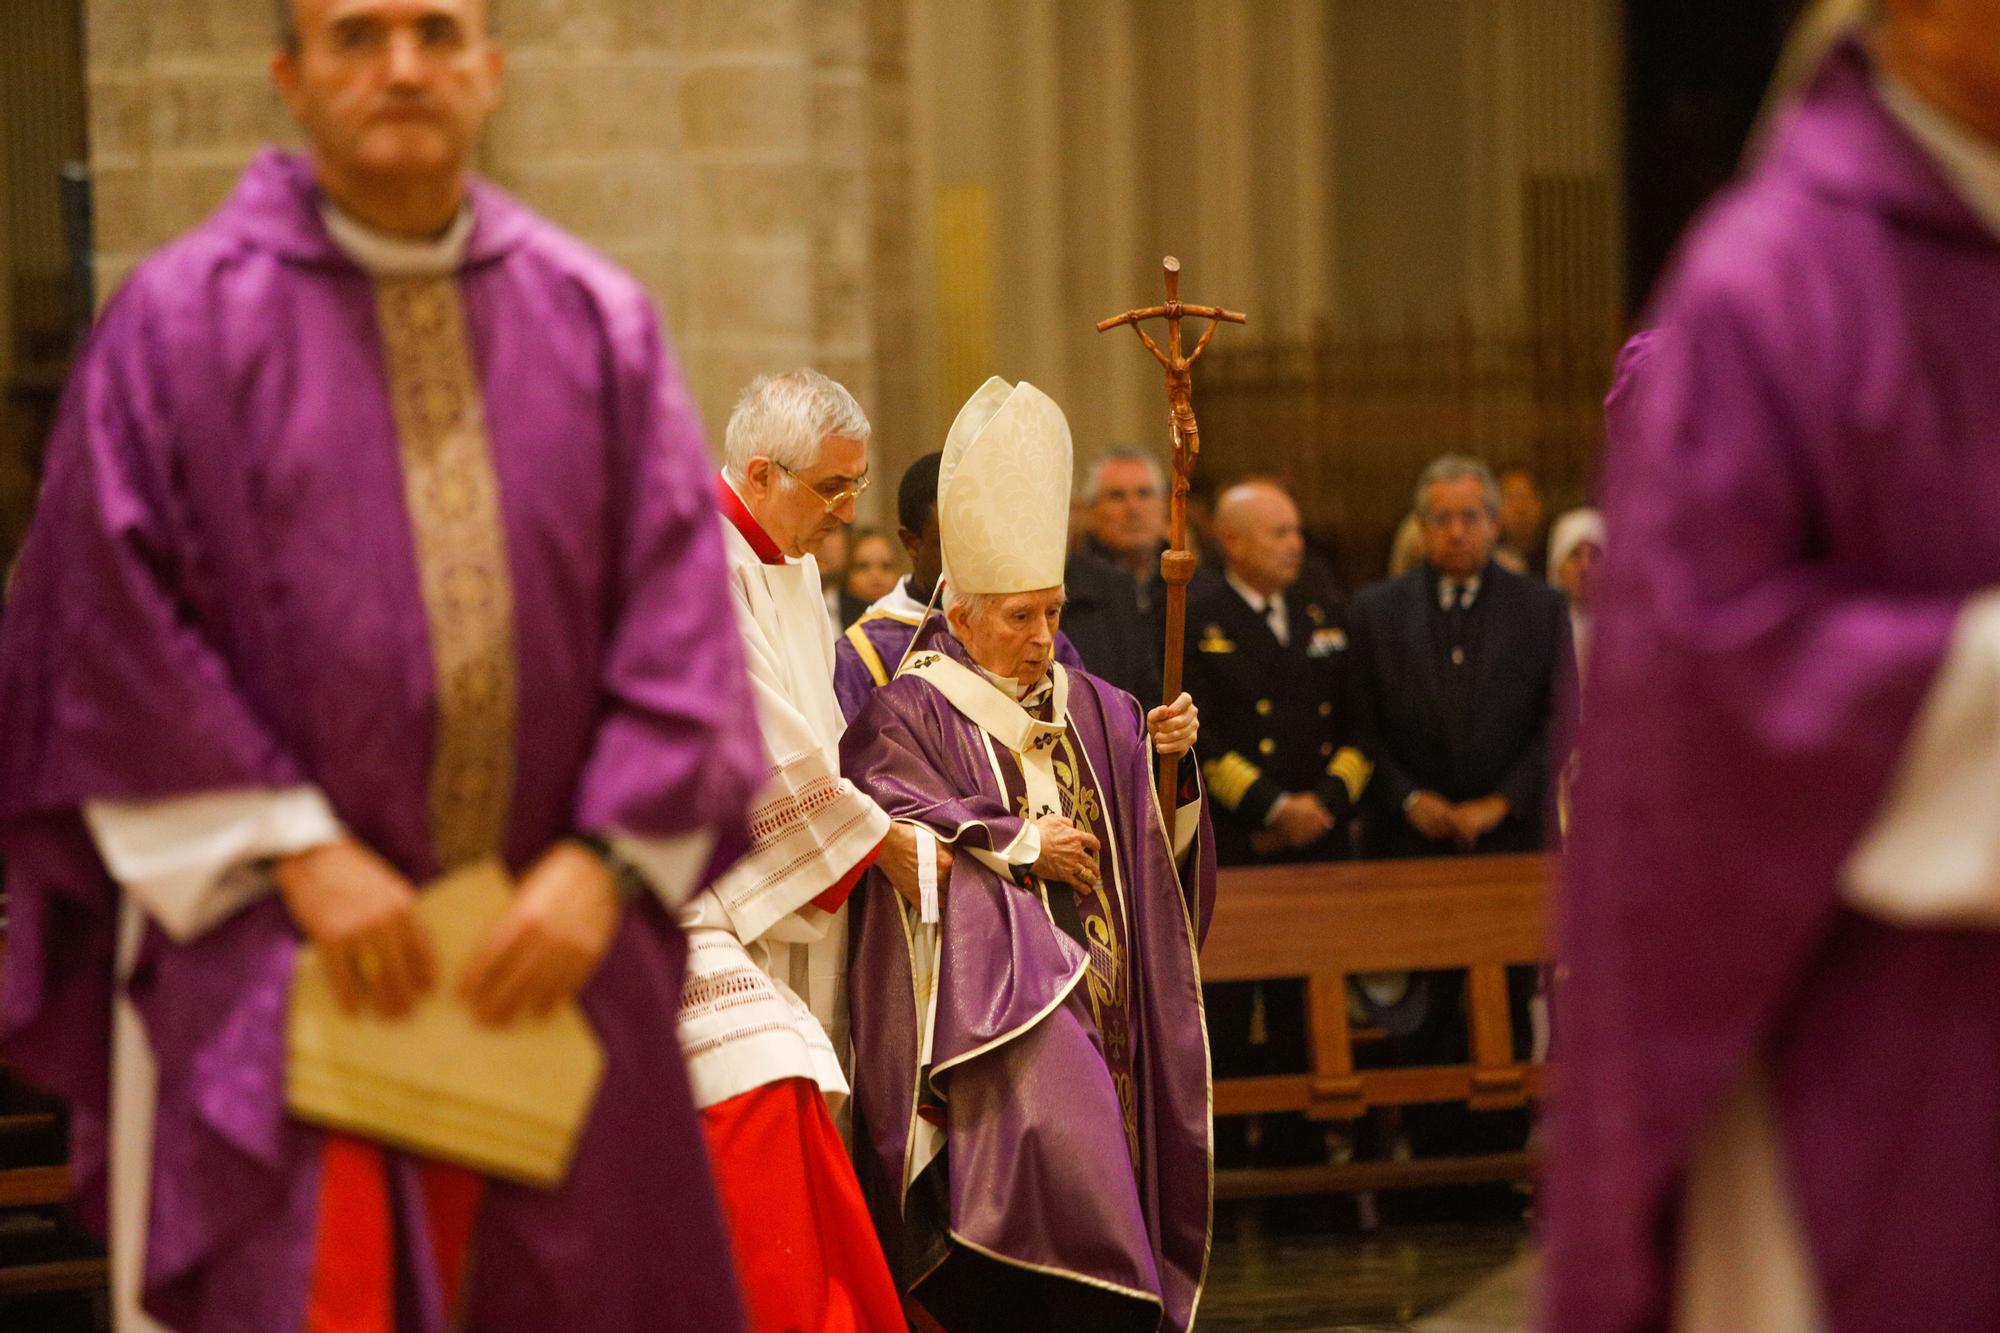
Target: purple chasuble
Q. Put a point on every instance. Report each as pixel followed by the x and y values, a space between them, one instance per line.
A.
pixel 1804 484
pixel 1072 1085
pixel 220 591
pixel 856 677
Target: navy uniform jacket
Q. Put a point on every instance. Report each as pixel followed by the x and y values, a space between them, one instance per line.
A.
pixel 1270 713
pixel 1465 719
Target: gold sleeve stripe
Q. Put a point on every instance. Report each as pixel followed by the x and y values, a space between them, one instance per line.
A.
pixel 1353 771
pixel 1230 778
pixel 869 657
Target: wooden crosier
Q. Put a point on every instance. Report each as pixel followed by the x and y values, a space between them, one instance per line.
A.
pixel 1176 562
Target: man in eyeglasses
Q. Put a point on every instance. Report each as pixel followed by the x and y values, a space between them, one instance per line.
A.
pixel 764 1018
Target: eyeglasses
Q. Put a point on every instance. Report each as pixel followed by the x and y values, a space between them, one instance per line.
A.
pixel 832 502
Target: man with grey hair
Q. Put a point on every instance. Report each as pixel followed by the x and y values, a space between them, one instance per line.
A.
pixel 1116 594
pixel 1453 680
pixel 1453 676
pixel 764 1018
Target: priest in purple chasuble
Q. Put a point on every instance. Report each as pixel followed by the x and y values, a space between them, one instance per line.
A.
pixel 1031 1068
pixel 764 1018
pixel 870 650
pixel 376 539
pixel 1777 1104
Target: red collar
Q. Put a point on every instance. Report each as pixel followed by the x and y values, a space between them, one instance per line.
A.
pixel 745 522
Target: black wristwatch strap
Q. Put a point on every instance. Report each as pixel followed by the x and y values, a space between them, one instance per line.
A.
pixel 626 876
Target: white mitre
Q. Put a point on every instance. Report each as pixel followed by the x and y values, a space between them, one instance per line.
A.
pixel 1003 491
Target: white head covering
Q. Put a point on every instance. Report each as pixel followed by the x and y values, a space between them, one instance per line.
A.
pixel 1571 531
pixel 1003 491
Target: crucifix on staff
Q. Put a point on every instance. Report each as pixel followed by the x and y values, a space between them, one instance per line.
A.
pixel 1177 561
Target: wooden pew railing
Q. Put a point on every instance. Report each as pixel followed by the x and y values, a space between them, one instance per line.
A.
pixel 1476 914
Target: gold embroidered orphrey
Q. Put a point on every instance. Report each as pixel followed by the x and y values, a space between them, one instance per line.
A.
pixel 453 495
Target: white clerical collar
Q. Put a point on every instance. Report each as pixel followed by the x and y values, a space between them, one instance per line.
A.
pixel 898 604
pixel 974 692
pixel 1447 586
pixel 1969 162
pixel 1028 696
pixel 1258 602
pixel 386 256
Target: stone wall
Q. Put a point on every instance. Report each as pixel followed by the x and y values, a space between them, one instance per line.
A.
pixel 914 194
pixel 740 157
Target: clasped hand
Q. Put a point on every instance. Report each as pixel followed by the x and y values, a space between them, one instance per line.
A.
pixel 1069 854
pixel 898 861
pixel 1302 820
pixel 1464 824
pixel 360 913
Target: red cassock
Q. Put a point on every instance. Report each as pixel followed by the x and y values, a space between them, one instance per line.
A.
pixel 784 1177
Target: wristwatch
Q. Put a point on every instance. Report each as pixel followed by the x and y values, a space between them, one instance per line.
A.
pixel 625 877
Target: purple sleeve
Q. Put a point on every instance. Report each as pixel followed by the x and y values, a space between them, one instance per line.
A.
pixel 111 684
pixel 852 684
pixel 1802 665
pixel 888 754
pixel 678 747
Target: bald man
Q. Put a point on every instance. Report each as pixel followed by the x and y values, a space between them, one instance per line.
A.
pixel 1264 663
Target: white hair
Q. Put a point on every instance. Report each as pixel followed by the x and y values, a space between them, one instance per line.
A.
pixel 786 418
pixel 1123 453
pixel 1457 467
pixel 977 604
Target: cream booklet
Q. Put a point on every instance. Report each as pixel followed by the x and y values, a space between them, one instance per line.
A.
pixel 507 1102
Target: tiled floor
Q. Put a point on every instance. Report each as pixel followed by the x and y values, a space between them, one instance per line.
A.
pixel 1430 1267
pixel 1438 1263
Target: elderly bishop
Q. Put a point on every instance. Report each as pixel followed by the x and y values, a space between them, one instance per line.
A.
pixel 1032 1074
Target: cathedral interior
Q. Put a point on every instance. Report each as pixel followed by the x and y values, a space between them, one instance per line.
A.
pixel 1441 218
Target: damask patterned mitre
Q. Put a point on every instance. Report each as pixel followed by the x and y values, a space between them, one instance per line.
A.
pixel 1003 491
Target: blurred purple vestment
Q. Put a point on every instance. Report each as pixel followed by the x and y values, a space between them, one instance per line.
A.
pixel 1804 487
pixel 220 592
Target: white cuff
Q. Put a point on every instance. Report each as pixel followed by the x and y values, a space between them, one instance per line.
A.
pixel 1025 850
pixel 927 876
pixel 1187 823
pixel 672 866
pixel 1271 815
pixel 188 860
pixel 1932 855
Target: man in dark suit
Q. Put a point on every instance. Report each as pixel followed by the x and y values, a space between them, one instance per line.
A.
pixel 1113 615
pixel 1454 676
pixel 1264 665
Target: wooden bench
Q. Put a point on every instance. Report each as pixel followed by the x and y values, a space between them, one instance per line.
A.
pixel 1476 914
